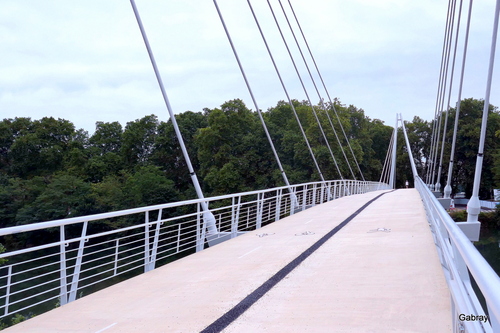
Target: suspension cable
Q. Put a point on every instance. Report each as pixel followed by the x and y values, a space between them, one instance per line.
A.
pixel 305 90
pixel 285 178
pixel 450 90
pixel 286 93
pixel 209 219
pixel 442 89
pixel 327 93
pixel 430 170
pixel 447 189
pixel 384 174
pixel 438 182
pixel 315 86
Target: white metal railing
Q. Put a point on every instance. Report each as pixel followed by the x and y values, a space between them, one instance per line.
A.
pixel 460 260
pixel 72 257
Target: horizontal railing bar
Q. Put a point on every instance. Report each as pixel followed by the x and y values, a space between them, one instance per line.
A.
pixel 484 275
pixel 27 307
pixel 102 216
pixel 118 253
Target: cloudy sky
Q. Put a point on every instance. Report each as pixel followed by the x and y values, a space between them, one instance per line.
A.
pixel 85 61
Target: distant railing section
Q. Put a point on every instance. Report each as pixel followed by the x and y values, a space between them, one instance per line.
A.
pixel 68 258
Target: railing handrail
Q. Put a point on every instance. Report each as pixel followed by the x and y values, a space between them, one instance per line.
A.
pixel 486 278
pixel 101 216
pixel 86 259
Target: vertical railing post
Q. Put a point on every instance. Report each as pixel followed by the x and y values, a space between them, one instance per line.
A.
pixel 269 211
pixel 154 251
pixel 304 196
pixel 313 203
pixel 460 264
pixel 178 238
pixel 78 264
pixel 322 195
pixel 7 291
pixel 62 256
pixel 278 205
pixel 146 242
pixel 260 208
pixel 294 203
pixel 248 217
pixel 117 246
pixel 200 231
pixel 235 217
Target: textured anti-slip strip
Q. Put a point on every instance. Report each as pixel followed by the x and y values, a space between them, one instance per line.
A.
pixel 226 319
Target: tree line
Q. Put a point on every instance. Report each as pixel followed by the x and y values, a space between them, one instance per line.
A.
pixel 467 144
pixel 51 170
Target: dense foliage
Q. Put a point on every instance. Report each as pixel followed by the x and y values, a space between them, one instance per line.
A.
pixel 469 126
pixel 51 170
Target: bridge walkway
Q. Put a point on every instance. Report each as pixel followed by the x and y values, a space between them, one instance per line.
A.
pixel 365 278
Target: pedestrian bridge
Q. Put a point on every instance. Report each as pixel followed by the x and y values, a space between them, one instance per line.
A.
pixel 370 262
pixel 341 255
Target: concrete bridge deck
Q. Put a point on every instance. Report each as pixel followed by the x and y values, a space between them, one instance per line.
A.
pixel 360 280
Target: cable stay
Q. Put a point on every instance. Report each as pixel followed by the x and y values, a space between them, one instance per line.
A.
pixel 449 95
pixel 384 174
pixel 430 168
pixel 447 189
pixel 441 88
pixel 328 95
pixel 305 90
pixel 315 86
pixel 445 116
pixel 259 112
pixel 392 175
pixel 286 92
pixel 208 217
pixel 444 81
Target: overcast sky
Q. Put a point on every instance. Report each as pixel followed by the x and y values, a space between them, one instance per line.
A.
pixel 85 61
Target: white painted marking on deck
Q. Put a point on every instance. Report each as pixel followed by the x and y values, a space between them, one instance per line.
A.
pixel 258 247
pixel 105 328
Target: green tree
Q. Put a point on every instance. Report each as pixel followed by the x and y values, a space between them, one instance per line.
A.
pixel 167 151
pixel 107 137
pixel 148 186
pixel 469 126
pixel 64 196
pixel 39 147
pixel 138 140
pixel 233 151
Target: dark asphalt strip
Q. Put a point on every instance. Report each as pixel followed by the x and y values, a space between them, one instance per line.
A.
pixel 226 319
